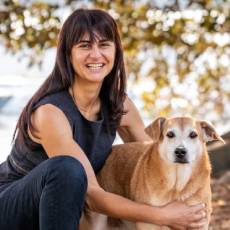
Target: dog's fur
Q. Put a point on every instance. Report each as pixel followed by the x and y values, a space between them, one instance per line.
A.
pixel 175 166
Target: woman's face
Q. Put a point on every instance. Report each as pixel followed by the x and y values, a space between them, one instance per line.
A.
pixel 93 61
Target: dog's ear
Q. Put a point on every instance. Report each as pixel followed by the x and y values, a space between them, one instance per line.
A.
pixel 209 133
pixel 155 128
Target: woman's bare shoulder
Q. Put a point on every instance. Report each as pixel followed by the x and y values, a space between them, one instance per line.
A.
pixel 48 119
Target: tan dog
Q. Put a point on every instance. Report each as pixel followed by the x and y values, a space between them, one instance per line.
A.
pixel 175 166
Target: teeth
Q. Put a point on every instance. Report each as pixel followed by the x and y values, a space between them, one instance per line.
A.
pixel 98 65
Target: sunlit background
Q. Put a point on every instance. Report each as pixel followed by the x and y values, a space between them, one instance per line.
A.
pixel 177 55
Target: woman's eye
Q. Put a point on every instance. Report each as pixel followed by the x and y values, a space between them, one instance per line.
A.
pixel 86 45
pixel 170 134
pixel 104 44
pixel 193 135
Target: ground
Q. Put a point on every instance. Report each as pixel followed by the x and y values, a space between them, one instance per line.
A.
pixel 221 203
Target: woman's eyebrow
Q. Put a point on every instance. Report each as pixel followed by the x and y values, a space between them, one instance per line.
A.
pixel 85 41
pixel 104 40
pixel 100 41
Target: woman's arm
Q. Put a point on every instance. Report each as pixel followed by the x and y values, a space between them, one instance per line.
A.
pixel 131 126
pixel 122 208
pixel 56 137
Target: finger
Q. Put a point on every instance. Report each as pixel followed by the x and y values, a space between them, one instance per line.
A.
pixel 201 214
pixel 198 207
pixel 198 218
pixel 198 225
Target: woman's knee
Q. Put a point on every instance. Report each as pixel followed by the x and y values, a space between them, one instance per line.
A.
pixel 67 170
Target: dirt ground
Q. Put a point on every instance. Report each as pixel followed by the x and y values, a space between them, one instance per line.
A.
pixel 221 203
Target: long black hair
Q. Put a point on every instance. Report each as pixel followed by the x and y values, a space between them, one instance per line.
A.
pixel 82 21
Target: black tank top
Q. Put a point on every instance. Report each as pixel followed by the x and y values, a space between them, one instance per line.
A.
pixel 94 137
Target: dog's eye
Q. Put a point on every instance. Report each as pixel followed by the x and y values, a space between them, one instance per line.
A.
pixel 170 134
pixel 193 135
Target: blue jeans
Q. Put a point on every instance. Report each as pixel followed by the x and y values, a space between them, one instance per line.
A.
pixel 49 197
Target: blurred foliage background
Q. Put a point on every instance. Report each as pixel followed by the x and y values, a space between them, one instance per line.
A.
pixel 176 52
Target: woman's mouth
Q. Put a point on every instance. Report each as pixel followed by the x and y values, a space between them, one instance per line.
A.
pixel 95 66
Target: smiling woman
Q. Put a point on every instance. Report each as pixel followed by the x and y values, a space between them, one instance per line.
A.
pixel 92 60
pixel 65 134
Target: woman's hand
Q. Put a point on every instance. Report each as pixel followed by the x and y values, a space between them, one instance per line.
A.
pixel 178 215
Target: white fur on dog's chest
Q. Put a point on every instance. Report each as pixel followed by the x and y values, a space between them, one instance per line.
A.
pixel 177 178
pixel 182 176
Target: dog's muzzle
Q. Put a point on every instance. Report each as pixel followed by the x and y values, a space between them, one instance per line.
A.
pixel 181 155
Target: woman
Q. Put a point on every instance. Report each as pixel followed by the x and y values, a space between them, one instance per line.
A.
pixel 65 134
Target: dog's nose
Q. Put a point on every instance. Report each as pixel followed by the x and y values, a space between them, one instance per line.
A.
pixel 180 152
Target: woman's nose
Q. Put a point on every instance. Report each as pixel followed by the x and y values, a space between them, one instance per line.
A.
pixel 95 52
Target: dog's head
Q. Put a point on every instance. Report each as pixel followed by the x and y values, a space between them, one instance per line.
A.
pixel 181 139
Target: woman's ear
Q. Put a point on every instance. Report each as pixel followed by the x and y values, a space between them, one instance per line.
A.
pixel 154 130
pixel 209 133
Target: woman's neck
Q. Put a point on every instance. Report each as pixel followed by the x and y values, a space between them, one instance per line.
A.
pixel 85 95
